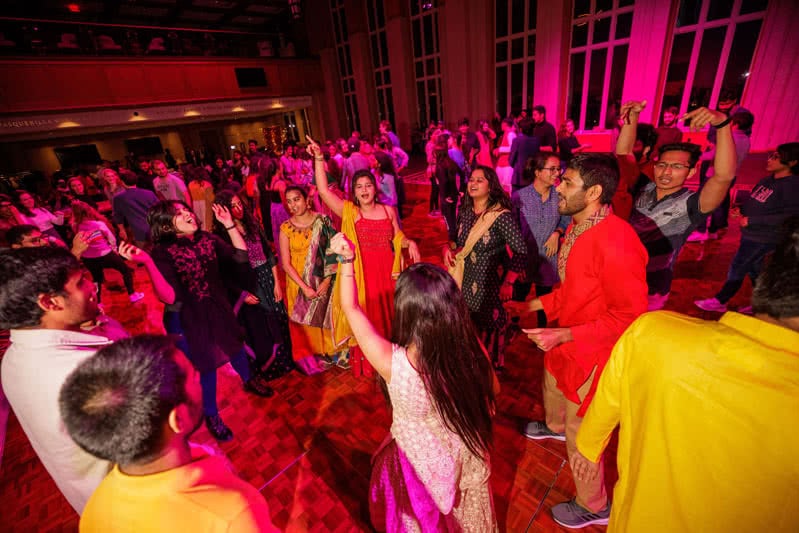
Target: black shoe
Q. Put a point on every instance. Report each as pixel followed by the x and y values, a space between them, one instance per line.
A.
pixel 218 428
pixel 255 385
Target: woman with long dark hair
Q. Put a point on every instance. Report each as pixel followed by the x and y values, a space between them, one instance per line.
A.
pixel 374 230
pixel 486 136
pixel 431 473
pixel 110 182
pixel 258 298
pixel 77 191
pixel 34 214
pixel 486 229
pixel 185 270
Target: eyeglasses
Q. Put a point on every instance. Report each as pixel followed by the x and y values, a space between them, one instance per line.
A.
pixel 553 170
pixel 677 167
pixel 774 155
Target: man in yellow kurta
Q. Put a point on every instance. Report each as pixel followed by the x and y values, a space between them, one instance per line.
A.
pixel 708 415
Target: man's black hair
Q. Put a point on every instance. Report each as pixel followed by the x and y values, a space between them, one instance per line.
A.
pixel 115 404
pixel 27 273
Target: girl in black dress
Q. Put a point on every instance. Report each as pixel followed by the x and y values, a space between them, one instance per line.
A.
pixel 184 267
pixel 479 259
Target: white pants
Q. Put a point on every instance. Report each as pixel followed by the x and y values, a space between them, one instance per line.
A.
pixel 505 175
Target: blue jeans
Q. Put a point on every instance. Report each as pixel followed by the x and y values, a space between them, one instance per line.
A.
pixel 239 361
pixel 748 260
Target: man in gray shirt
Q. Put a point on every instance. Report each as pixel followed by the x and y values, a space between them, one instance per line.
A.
pixel 168 186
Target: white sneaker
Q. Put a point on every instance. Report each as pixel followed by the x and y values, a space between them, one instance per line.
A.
pixel 135 297
pixel 697 237
pixel 711 304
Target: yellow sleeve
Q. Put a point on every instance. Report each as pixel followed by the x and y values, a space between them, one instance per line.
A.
pixel 603 414
pixel 253 519
pixel 396 268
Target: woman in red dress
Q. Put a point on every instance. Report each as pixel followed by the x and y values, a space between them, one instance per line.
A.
pixel 374 230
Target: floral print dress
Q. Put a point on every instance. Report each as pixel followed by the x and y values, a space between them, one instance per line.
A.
pixel 486 266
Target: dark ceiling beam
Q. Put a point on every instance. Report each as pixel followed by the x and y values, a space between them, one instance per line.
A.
pixel 110 11
pixel 174 14
pixel 240 9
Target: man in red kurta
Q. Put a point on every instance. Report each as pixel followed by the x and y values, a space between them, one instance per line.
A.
pixel 602 267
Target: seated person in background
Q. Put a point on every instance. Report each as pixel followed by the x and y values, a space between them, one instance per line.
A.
pixel 135 403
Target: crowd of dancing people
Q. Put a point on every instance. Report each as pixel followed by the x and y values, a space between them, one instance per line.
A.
pixel 297 261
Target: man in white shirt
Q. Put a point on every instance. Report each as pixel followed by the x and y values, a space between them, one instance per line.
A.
pixel 45 296
pixel 168 186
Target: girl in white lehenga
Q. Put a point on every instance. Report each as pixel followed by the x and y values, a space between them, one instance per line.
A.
pixel 431 473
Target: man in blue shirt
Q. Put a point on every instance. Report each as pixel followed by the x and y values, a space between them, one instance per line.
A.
pixel 536 210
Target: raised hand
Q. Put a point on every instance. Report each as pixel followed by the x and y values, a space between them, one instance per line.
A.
pixel 631 108
pixel 313 147
pixel 703 116
pixel 223 215
pixel 342 246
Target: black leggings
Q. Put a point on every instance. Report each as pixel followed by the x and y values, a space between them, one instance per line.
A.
pixel 96 265
pixel 433 194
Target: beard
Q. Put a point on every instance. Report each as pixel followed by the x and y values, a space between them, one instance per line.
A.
pixel 571 206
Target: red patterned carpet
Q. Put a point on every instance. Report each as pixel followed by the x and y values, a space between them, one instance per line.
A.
pixel 307 449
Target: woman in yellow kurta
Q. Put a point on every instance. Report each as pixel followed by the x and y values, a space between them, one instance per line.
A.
pixel 304 240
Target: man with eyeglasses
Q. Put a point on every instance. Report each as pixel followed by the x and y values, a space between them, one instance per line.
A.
pixel 666 212
pixel 773 200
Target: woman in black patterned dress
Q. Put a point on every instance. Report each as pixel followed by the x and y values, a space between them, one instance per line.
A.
pixel 184 268
pixel 256 292
pixel 479 259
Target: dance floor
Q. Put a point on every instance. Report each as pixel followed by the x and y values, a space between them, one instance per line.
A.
pixel 308 448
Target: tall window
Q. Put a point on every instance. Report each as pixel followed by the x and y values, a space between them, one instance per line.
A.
pixel 345 64
pixel 379 46
pixel 515 54
pixel 427 60
pixel 712 50
pixel 600 40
